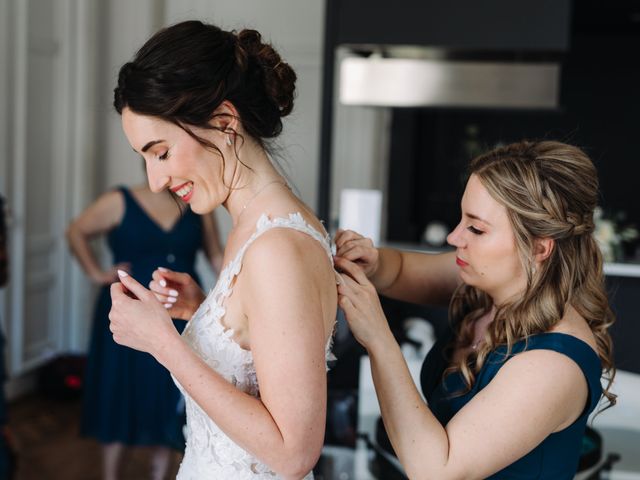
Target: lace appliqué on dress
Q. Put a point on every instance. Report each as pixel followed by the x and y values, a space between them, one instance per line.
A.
pixel 209 453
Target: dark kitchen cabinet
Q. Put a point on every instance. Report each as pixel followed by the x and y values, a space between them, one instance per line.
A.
pixel 532 29
pixel 623 296
pixel 526 25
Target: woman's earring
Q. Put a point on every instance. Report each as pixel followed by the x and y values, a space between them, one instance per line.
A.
pixel 229 141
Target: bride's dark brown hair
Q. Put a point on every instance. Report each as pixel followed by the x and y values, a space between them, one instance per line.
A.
pixel 184 72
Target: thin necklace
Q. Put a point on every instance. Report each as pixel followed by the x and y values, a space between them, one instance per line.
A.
pixel 258 193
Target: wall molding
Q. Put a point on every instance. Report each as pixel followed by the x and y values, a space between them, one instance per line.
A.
pixel 19 32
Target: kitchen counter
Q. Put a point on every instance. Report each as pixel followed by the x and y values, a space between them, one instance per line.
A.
pixel 617 269
pixel 622 269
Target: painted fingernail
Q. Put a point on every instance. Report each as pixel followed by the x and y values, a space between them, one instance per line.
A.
pixel 163 283
pixel 173 293
pixel 172 299
pixel 122 273
pixel 162 269
pixel 168 305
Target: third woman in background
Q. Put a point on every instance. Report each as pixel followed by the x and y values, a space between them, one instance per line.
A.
pixel 130 400
pixel 200 104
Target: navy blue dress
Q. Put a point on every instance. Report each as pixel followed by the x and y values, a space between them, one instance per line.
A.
pixel 558 455
pixel 128 396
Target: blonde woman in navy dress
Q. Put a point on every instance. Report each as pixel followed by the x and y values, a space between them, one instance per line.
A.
pixel 200 104
pixel 510 389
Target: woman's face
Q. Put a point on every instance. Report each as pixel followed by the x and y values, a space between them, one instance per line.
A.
pixel 177 161
pixel 486 246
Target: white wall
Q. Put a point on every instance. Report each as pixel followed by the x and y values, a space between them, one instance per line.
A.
pixel 4 123
pixel 125 27
pixel 46 120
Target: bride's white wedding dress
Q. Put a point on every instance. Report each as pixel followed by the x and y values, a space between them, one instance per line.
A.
pixel 209 453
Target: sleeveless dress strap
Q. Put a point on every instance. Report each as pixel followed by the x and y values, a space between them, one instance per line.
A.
pixel 130 203
pixel 125 192
pixel 294 221
pixel 577 350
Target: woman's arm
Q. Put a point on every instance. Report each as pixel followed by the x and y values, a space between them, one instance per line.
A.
pixel 97 219
pixel 211 242
pixel 288 291
pixel 533 395
pixel 409 276
pixel 422 278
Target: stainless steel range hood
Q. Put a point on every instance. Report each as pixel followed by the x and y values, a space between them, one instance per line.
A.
pixel 418 77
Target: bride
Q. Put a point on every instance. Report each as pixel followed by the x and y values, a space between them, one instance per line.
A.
pixel 199 104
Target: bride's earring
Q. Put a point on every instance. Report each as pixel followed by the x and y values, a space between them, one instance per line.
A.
pixel 229 141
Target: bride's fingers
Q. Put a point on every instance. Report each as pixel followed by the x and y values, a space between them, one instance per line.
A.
pixel 169 276
pixel 118 291
pixel 134 286
pixel 165 298
pixel 157 288
pixel 158 278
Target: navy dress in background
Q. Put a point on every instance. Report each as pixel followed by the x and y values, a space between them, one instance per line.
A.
pixel 556 458
pixel 128 396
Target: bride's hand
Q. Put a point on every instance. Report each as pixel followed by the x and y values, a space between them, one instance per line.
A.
pixel 177 291
pixel 138 319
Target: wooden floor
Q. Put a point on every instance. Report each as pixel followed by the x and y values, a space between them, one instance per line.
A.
pixel 49 447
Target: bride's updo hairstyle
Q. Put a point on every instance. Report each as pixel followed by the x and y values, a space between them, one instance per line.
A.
pixel 184 72
pixel 549 190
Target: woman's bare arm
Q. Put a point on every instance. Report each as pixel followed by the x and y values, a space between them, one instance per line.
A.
pixel 533 395
pixel 422 278
pixel 409 276
pixel 97 219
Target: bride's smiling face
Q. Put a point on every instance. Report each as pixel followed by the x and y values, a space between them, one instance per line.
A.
pixel 177 161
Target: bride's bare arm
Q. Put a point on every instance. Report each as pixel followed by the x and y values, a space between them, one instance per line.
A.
pixel 288 295
pixel 291 303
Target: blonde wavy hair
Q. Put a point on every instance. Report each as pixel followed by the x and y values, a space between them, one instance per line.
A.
pixel 550 190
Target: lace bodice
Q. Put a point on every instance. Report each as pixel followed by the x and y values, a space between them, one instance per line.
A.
pixel 209 453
